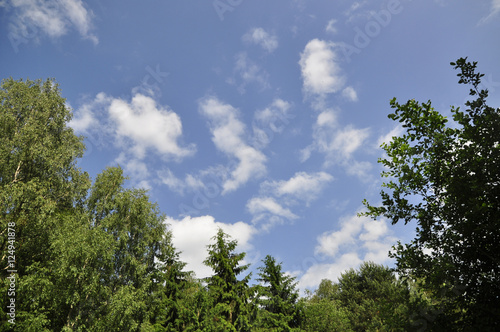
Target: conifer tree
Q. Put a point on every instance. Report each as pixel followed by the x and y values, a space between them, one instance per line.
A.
pixel 229 296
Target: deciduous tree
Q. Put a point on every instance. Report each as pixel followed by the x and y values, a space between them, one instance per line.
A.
pixel 445 178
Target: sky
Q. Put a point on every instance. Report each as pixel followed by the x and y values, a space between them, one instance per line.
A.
pixel 263 118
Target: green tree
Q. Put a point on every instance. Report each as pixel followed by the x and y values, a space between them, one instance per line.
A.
pixel 40 188
pixel 323 311
pixel 374 299
pixel 229 296
pixel 445 178
pixel 88 258
pixel 279 310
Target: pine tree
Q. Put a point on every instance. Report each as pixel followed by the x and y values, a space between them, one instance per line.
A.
pixel 229 296
pixel 278 298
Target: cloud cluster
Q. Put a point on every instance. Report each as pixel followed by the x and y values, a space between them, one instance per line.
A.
pixel 338 144
pixel 273 205
pixel 54 18
pixel 228 135
pixel 137 127
pixel 358 239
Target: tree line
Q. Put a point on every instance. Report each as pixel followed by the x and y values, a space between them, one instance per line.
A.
pixel 83 255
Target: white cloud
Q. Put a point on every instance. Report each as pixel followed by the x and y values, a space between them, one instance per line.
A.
pixel 350 93
pixel 142 125
pixel 327 118
pixel 302 185
pixel 346 141
pixel 398 130
pixel 270 121
pixel 249 72
pixel 262 38
pixel 358 239
pixel 330 27
pixel 495 9
pixel 228 136
pixel 84 118
pixel 278 110
pixel 190 182
pixel 192 235
pixel 317 272
pixel 135 127
pixel 264 205
pixel 320 71
pixel 54 18
pixel 277 197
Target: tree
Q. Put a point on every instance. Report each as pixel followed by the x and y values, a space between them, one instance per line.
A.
pixel 40 188
pixel 87 258
pixel 229 296
pixel 278 298
pixel 374 299
pixel 445 178
pixel 323 311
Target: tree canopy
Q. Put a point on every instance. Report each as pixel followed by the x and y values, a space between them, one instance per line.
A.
pixel 444 176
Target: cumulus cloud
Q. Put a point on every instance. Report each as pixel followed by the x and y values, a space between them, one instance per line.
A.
pixel 136 127
pixel 259 36
pixel 54 18
pixel 192 235
pixel 228 134
pixel 358 239
pixel 273 205
pixel 302 185
pixel 264 206
pixel 142 124
pixel 321 72
pixel 338 144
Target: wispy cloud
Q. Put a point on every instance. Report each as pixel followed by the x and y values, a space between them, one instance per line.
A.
pixel 54 18
pixel 350 94
pixel 228 135
pixel 330 26
pixel 259 36
pixel 495 9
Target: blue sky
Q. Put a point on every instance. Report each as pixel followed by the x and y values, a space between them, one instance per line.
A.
pixel 261 117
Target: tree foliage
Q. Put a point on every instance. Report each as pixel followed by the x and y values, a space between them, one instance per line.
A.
pixel 87 258
pixel 445 177
pixel 229 296
pixel 277 298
